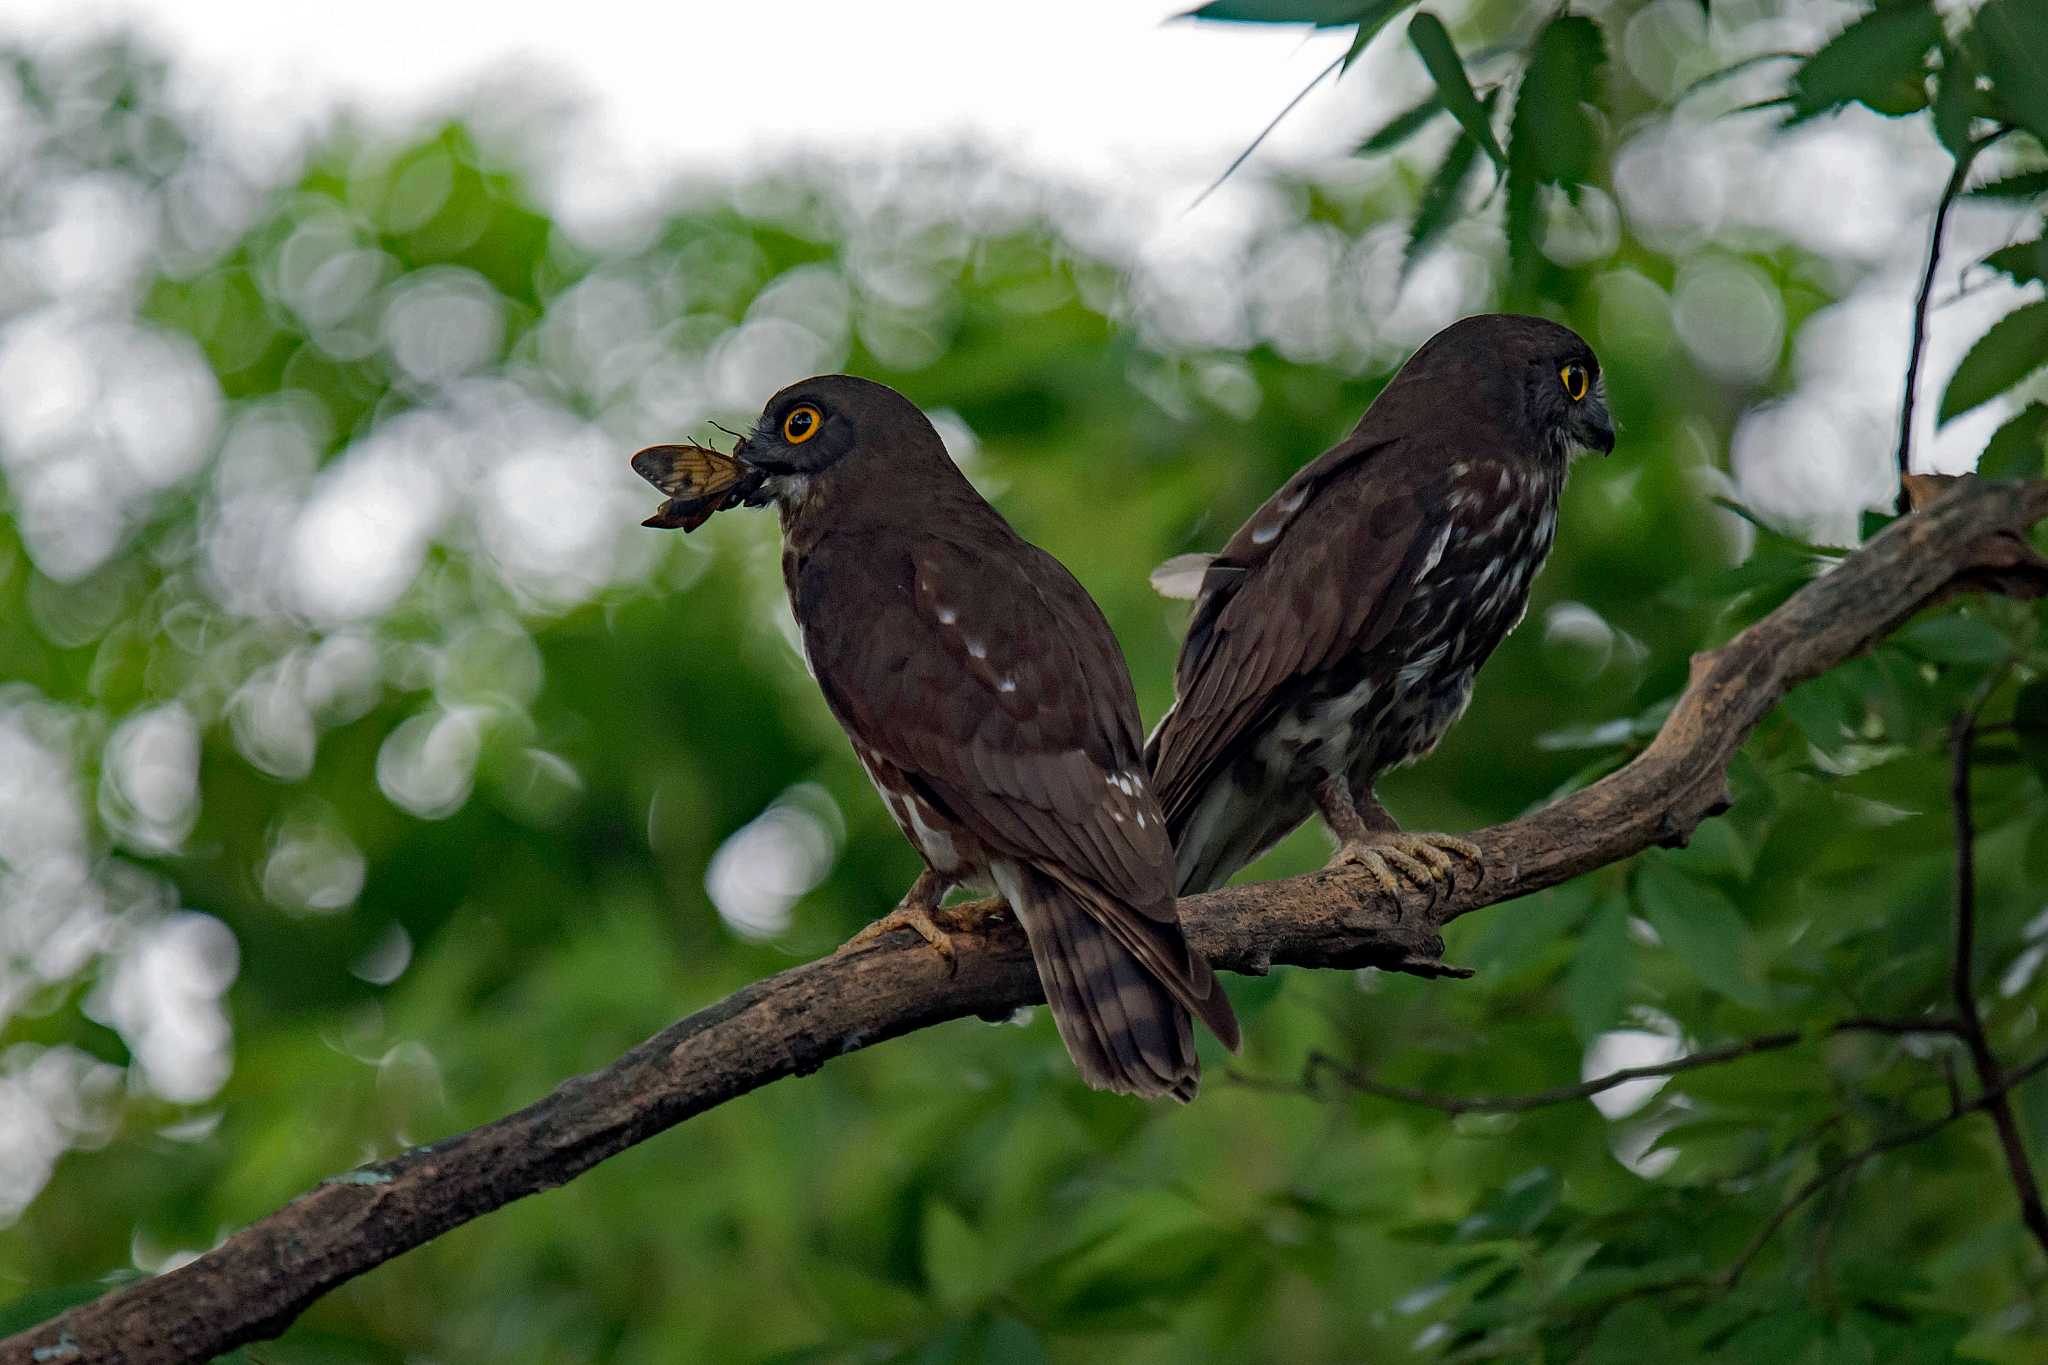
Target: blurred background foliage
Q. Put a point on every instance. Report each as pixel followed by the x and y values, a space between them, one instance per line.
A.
pixel 365 770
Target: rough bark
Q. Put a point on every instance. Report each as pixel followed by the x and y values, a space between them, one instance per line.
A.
pixel 257 1281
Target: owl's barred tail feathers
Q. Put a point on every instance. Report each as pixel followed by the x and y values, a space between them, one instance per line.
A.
pixel 1127 1026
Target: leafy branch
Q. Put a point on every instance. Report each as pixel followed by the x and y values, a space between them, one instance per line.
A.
pixel 259 1279
pixel 1321 1064
pixel 1991 1074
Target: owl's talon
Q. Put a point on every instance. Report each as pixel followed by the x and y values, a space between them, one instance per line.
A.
pixel 914 917
pixel 918 911
pixel 1425 860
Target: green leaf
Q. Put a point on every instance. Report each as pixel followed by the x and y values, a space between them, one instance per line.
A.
pixel 2014 38
pixel 1704 929
pixel 1631 1332
pixel 1600 973
pixel 2014 348
pixel 1952 638
pixel 1770 570
pixel 1954 95
pixel 1516 1209
pixel 1321 13
pixel 18 1315
pixel 1010 1341
pixel 1369 27
pixel 1439 206
pixel 2030 724
pixel 1433 44
pixel 1553 129
pixel 2018 448
pixel 1880 61
pixel 2024 261
pixel 2024 185
pixel 1156 1244
pixel 957 1264
pixel 859 1300
pixel 1402 126
pixel 1782 1338
pixel 1554 139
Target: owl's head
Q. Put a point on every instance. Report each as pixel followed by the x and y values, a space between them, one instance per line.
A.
pixel 1536 377
pixel 816 423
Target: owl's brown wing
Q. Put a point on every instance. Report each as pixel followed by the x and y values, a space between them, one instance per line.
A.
pixel 1320 571
pixel 987 675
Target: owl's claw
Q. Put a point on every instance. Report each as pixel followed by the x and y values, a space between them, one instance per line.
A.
pixel 1424 859
pixel 918 911
pixel 914 917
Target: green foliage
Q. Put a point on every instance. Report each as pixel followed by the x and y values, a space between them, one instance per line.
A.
pixel 1402 126
pixel 2022 185
pixel 2017 450
pixel 1426 33
pixel 1440 202
pixel 2014 348
pixel 1321 13
pixel 401 867
pixel 2014 35
pixel 1879 61
pixel 2023 261
pixel 1555 142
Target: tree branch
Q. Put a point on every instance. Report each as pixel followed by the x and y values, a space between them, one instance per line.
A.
pixel 1731 1275
pixel 256 1282
pixel 1454 1105
pixel 1321 1063
pixel 1990 1074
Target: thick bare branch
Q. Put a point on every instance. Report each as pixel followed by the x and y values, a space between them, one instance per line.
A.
pixel 258 1280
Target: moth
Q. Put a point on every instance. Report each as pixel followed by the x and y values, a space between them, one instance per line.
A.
pixel 699 481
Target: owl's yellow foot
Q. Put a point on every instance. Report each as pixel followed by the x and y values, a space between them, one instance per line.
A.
pixel 908 917
pixel 1426 860
pixel 916 911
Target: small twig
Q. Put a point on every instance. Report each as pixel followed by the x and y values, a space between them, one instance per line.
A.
pixel 1264 133
pixel 1353 1079
pixel 1904 457
pixel 1989 1073
pixel 1827 1175
pixel 1321 1063
pixel 1735 69
pixel 1956 179
pixel 1730 1275
pixel 1869 1023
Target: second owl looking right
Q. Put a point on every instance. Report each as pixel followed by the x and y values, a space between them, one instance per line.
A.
pixel 1338 633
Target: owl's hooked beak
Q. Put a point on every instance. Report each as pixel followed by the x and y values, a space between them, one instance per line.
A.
pixel 1592 425
pixel 1600 431
pixel 746 454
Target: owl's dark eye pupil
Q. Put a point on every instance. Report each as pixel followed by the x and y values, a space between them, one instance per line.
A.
pixel 799 423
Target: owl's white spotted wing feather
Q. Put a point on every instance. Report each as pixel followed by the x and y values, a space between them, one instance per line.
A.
pixel 986 676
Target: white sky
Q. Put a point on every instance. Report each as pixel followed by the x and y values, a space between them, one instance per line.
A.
pixel 1101 90
pixel 1114 94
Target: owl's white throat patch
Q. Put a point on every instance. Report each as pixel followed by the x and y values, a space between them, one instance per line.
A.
pixel 787 490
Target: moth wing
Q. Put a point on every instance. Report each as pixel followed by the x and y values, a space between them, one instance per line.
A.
pixel 686 471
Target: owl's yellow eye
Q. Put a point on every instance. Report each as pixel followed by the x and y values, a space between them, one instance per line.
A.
pixel 1575 380
pixel 802 424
